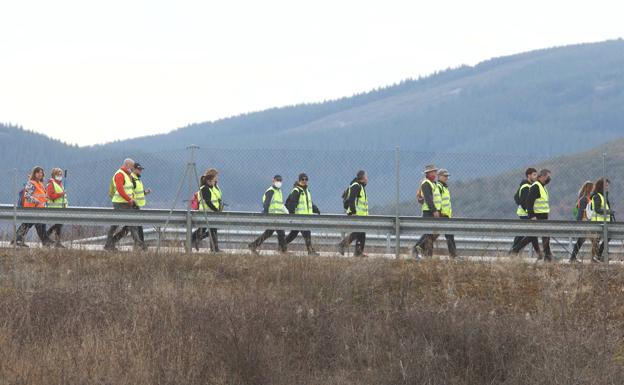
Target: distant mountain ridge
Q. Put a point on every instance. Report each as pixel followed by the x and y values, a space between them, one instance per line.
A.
pixel 539 102
pixel 481 121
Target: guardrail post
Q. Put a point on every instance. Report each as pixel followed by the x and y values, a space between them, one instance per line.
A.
pixel 189 231
pixel 397 224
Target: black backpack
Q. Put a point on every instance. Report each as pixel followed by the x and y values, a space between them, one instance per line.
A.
pixel 517 197
pixel 345 197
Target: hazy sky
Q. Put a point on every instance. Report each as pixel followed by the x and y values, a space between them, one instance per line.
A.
pixel 89 72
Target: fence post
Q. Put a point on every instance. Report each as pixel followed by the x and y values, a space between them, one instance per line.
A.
pixel 397 228
pixel 605 234
pixel 189 218
pixel 15 208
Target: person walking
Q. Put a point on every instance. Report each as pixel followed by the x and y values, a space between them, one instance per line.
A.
pixel 272 204
pixel 34 196
pixel 538 208
pixel 601 209
pixel 300 202
pixel 210 200
pixel 520 198
pixel 446 210
pixel 584 198
pixel 430 197
pixel 356 203
pixel 57 199
pixel 139 195
pixel 121 192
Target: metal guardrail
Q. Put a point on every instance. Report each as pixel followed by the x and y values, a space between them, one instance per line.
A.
pixel 404 226
pixel 477 246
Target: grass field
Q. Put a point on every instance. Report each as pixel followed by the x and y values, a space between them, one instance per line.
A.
pixel 93 318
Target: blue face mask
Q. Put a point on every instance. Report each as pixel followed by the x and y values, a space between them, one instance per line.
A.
pixel 58 178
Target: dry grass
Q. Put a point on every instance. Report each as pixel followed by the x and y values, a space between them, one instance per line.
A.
pixel 93 318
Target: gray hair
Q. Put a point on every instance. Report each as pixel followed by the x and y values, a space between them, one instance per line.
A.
pixel 128 162
pixel 544 172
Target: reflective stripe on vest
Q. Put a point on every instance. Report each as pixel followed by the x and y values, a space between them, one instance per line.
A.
pixel 437 197
pixel 277 201
pixel 445 207
pixel 520 211
pixel 600 217
pixel 541 205
pixel 304 206
pixel 60 202
pixel 128 187
pixel 39 195
pixel 139 191
pixel 215 198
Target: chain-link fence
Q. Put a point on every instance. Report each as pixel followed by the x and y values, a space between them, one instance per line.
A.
pixel 481 185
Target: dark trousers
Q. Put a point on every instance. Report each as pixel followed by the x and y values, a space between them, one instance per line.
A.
pixel 426 241
pixel 600 249
pixel 203 233
pixel 526 240
pixel 596 250
pixel 519 238
pixel 281 239
pixel 307 236
pixel 39 227
pixel 113 236
pixel 56 230
pixel 360 242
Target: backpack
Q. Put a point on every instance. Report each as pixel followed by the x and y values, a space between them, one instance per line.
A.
pixel 194 202
pixel 419 196
pixel 345 197
pixel 517 197
pixel 20 196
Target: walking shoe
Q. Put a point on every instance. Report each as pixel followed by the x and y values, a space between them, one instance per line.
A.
pixel 252 248
pixel 548 258
pixel 313 253
pixel 361 255
pixel 341 248
pixel 417 252
pixel 20 244
pixel 59 245
pixel 596 259
pixel 110 248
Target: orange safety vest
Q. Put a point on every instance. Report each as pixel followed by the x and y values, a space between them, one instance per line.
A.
pixel 39 194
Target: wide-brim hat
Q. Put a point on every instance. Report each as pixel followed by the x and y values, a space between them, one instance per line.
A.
pixel 444 172
pixel 430 168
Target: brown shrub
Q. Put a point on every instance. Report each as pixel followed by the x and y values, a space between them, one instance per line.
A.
pixel 92 318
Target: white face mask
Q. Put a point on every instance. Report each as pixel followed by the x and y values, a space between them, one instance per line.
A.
pixel 278 184
pixel 58 178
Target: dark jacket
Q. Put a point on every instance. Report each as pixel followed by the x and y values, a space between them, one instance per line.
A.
pixel 427 194
pixel 354 193
pixel 293 199
pixel 207 197
pixel 534 194
pixel 268 196
pixel 598 209
pixel 524 193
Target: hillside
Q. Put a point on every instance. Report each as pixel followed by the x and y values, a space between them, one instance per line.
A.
pixel 500 115
pixel 492 196
pixel 502 105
